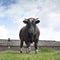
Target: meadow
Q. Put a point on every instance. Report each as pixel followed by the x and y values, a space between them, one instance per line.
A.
pixel 43 54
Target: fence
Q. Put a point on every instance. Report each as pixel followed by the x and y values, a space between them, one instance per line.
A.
pixel 7 44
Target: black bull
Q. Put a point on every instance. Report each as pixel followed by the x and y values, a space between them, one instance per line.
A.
pixel 29 33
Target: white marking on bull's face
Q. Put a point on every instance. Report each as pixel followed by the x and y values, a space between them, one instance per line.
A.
pixel 31 19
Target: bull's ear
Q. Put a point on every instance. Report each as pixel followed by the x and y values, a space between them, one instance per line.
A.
pixel 37 21
pixel 25 21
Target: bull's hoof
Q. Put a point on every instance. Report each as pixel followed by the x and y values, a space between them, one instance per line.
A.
pixel 36 51
pixel 20 51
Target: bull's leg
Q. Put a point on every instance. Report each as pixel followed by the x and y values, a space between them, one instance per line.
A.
pixel 21 45
pixel 36 47
pixel 28 48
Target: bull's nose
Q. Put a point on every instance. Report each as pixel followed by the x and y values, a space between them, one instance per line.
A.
pixel 31 30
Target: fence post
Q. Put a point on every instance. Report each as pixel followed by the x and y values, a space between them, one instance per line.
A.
pixel 8 42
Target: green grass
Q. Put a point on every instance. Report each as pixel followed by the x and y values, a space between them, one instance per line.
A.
pixel 47 50
pixel 43 54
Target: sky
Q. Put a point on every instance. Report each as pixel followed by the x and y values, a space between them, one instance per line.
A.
pixel 13 12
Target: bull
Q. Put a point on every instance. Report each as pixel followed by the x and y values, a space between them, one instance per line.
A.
pixel 29 33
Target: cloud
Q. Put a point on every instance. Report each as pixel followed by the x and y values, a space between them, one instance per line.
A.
pixel 54 21
pixel 3 32
pixel 48 11
pixel 51 20
pixel 7 3
pixel 49 34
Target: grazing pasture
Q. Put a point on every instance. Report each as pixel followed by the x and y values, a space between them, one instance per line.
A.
pixel 43 54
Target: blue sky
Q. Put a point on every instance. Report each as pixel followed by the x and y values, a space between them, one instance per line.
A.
pixel 13 12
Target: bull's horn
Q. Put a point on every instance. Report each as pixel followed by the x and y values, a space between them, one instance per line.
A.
pixel 25 19
pixel 37 18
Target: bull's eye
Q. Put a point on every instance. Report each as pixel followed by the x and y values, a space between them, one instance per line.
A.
pixel 28 19
pixel 29 25
pixel 33 22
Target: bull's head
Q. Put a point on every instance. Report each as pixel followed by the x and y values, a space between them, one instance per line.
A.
pixel 31 24
pixel 31 20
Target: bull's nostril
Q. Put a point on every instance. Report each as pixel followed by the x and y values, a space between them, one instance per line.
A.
pixel 31 30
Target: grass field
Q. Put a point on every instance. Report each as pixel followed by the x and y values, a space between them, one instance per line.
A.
pixel 44 54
